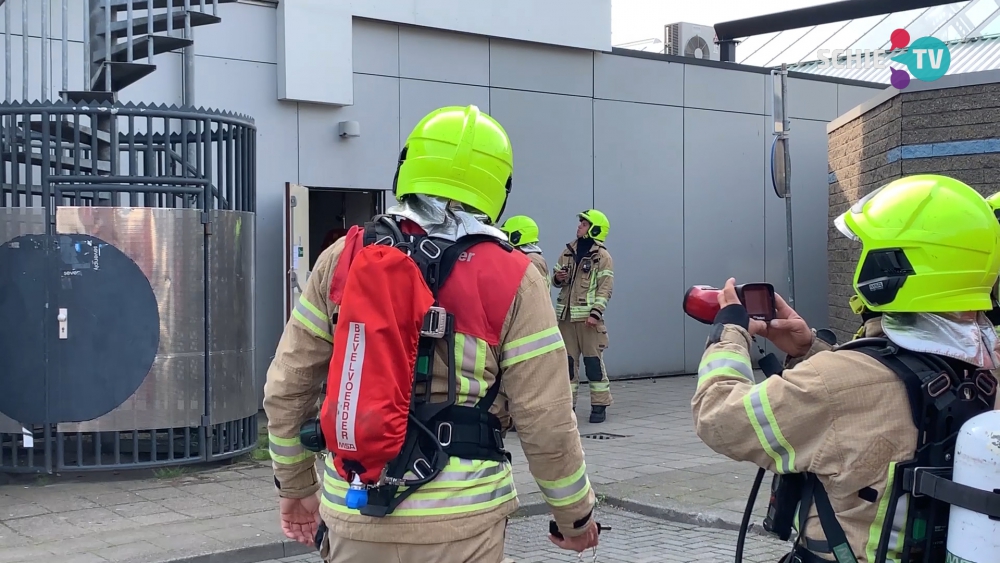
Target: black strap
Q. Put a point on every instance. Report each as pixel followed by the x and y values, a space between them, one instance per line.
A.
pixel 928 482
pixel 835 536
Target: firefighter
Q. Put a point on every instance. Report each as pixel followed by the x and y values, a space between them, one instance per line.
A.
pixel 843 418
pixel 585 276
pixel 994 315
pixel 453 180
pixel 522 232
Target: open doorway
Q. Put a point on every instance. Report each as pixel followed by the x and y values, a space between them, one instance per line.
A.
pixel 314 219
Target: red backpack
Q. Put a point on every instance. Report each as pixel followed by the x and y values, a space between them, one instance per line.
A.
pixel 378 419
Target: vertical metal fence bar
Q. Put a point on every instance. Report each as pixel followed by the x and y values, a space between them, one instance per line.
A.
pixel 170 17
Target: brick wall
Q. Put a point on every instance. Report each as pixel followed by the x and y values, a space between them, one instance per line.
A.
pixel 954 132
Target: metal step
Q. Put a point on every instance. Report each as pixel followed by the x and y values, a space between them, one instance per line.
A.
pixel 86 133
pixel 141 26
pixel 141 48
pixel 119 5
pixel 67 162
pixel 122 75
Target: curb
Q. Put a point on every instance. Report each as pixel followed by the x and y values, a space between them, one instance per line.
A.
pixel 700 519
pixel 287 548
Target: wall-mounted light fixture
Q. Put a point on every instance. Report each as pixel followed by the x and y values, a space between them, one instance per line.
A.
pixel 349 129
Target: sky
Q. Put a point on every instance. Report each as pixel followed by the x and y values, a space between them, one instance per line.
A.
pixel 635 20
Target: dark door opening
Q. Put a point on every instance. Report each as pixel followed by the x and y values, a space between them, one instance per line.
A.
pixel 333 212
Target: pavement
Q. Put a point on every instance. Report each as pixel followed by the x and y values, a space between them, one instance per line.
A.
pixel 633 538
pixel 645 459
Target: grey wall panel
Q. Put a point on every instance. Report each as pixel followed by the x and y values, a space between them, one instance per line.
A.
pixel 553 161
pixel 165 84
pixel 849 97
pixel 541 68
pixel 632 79
pixel 638 183
pixel 249 88
pixel 417 98
pixel 811 99
pixel 376 47
pixel 444 56
pixel 715 88
pixel 723 211
pixel 255 39
pixel 368 161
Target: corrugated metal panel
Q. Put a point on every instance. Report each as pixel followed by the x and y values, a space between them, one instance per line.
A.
pixel 967 56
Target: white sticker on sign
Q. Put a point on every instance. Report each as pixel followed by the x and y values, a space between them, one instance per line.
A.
pixel 28 437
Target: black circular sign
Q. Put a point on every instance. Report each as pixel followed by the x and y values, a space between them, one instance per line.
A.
pixel 80 369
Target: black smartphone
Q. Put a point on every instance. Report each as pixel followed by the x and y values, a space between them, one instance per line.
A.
pixel 758 298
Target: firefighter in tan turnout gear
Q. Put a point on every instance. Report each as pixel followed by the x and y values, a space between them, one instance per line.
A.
pixel 842 418
pixel 522 232
pixel 453 180
pixel 585 275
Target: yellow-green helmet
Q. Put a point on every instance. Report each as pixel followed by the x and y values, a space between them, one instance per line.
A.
pixel 930 244
pixel 460 154
pixel 521 230
pixel 599 224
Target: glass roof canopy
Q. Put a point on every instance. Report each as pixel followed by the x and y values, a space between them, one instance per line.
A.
pixel 951 22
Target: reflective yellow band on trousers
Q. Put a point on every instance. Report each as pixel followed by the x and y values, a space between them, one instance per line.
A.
pixel 463 486
pixel 287 451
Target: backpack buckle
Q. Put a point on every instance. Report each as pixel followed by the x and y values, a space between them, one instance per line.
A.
pixel 939 385
pixel 435 323
pixel 986 383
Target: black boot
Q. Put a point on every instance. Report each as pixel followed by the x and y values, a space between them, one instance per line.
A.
pixel 597 414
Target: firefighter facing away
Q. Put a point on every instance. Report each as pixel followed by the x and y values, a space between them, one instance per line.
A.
pixel 522 232
pixel 842 419
pixel 443 488
pixel 585 276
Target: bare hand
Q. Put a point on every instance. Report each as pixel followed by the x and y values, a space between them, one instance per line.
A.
pixel 788 331
pixel 580 543
pixel 300 519
pixel 728 297
pixel 591 321
pixel 561 276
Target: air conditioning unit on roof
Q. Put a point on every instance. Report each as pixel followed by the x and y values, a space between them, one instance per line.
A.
pixel 691 40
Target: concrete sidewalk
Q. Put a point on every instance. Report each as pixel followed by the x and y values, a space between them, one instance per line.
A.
pixel 646 459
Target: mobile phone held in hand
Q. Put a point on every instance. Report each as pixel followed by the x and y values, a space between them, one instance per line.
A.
pixel 701 302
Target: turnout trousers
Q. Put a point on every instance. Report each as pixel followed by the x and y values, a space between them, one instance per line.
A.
pixel 486 547
pixel 590 343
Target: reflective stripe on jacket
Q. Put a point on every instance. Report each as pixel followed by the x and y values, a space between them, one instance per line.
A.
pixel 840 415
pixel 469 496
pixel 587 290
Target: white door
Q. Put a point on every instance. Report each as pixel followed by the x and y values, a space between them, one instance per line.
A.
pixel 296 244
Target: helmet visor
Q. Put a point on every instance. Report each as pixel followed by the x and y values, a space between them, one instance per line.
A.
pixel 841 222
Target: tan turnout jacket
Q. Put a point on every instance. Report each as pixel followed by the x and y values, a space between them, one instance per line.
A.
pixel 539 262
pixel 469 496
pixel 840 415
pixel 588 288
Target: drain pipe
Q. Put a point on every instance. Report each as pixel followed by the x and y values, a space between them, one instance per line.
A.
pixel 188 72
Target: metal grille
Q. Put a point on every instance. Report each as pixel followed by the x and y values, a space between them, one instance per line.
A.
pixel 603 436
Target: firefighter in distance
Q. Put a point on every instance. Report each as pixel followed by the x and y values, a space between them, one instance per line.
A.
pixel 585 276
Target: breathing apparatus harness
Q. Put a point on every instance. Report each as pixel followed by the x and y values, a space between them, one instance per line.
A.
pixel 943 395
